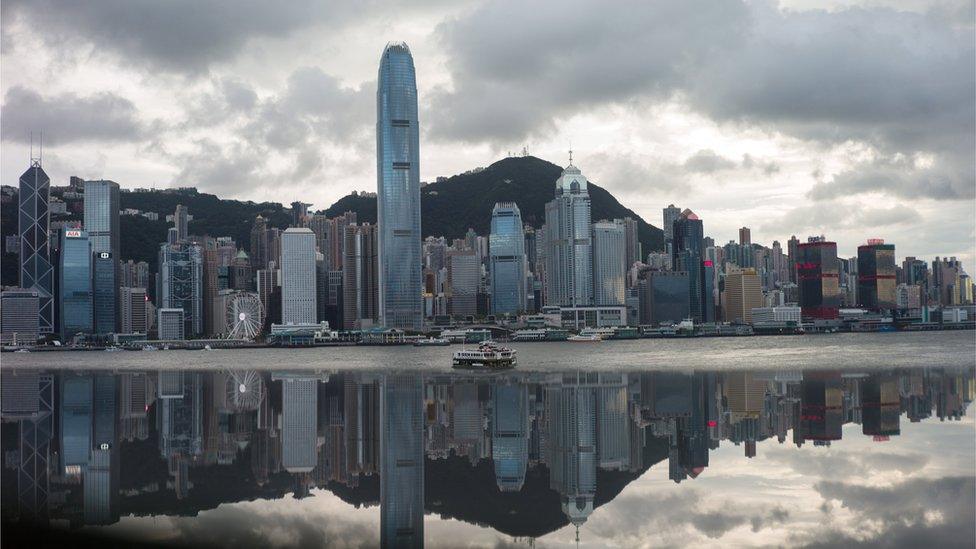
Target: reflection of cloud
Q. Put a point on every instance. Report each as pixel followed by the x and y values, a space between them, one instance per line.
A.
pixel 242 526
pixel 841 465
pixel 683 517
pixel 915 513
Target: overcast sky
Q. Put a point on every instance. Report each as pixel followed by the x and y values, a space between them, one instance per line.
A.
pixel 854 121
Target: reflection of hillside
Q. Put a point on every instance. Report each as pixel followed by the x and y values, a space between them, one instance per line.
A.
pixel 454 489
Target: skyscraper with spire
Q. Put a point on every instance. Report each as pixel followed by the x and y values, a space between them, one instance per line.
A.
pixel 398 190
pixel 569 252
pixel 33 225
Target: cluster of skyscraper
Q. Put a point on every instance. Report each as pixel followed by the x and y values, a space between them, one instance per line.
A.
pixel 360 276
pixel 76 430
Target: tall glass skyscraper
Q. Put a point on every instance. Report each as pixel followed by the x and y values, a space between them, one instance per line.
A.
pixel 687 255
pixel 181 283
pixel 507 259
pixel 75 284
pixel 102 226
pixel 569 250
pixel 33 224
pixel 398 190
pixel 609 260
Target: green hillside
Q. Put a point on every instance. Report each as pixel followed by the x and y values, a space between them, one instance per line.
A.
pixel 451 206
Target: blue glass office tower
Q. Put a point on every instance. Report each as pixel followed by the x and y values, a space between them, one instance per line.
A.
pixel 75 284
pixel 688 256
pixel 507 248
pixel 103 292
pixel 33 224
pixel 398 190
pixel 102 225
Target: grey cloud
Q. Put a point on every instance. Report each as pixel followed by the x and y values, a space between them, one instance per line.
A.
pixel 919 512
pixel 178 35
pixel 67 117
pixel 900 176
pixel 900 82
pixel 708 161
pixel 834 215
pixel 569 56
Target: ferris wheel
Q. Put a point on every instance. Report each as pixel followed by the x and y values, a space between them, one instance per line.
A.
pixel 244 316
pixel 243 390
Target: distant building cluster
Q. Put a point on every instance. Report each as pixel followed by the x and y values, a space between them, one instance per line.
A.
pixel 74 285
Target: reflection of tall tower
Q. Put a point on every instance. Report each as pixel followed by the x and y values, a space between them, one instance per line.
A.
pixel 881 403
pixel 76 423
pixel 361 424
pixel 821 407
pixel 299 434
pixel 509 435
pixel 613 440
pixel 101 481
pixel 570 407
pixel 28 398
pixel 402 463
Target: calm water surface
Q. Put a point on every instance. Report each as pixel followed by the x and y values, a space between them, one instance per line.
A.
pixel 800 441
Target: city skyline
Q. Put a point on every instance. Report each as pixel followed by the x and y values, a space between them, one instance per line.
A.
pixel 897 165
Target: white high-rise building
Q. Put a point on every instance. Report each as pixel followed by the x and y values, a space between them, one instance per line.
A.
pixel 569 250
pixel 609 259
pixel 298 276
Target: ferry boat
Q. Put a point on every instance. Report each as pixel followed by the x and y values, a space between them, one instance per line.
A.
pixel 600 333
pixel 432 342
pixel 149 348
pixel 22 351
pixel 585 338
pixel 112 349
pixel 540 334
pixel 487 356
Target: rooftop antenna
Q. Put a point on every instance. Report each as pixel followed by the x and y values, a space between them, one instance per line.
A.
pixel 570 153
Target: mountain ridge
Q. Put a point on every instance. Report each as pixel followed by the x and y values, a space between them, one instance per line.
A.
pixel 450 206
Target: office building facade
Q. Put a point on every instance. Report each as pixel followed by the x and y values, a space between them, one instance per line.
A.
pixel 298 276
pixel 398 190
pixel 743 293
pixel 19 313
pixel 75 284
pixel 181 284
pixel 133 303
pixel 569 249
pixel 876 278
pixel 170 323
pixel 33 226
pixel 818 278
pixel 507 259
pixel 609 262
pixel 687 256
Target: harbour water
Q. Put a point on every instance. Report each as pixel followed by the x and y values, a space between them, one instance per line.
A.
pixel 826 440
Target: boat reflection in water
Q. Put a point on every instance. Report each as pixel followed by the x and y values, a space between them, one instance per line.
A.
pixel 525 453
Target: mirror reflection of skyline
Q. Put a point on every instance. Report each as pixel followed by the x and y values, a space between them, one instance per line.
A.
pixel 86 448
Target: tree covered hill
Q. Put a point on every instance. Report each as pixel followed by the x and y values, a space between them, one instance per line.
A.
pixel 449 207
